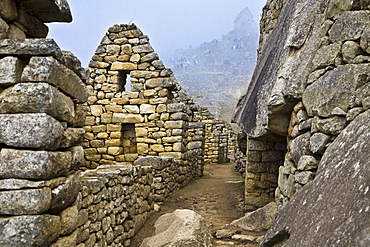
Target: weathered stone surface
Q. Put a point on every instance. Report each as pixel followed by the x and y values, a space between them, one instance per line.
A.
pixel 10 70
pixel 30 131
pixel 37 98
pixel 127 118
pixel 4 29
pixel 300 146
pixel 33 164
pixel 321 216
pixel 259 220
pixel 33 26
pixel 49 10
pixel 68 220
pixel 29 201
pixel 38 230
pixel 365 39
pixel 304 177
pixel 181 228
pixel 8 10
pixel 65 194
pixel 327 55
pixel 318 142
pixel 335 89
pixel 349 25
pixel 332 126
pixel 30 47
pixel 350 50
pixel 123 66
pixel 72 137
pixel 48 69
pixel 143 48
pixel 307 162
pixel 160 82
pixel 194 145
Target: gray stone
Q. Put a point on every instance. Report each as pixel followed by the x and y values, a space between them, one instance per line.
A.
pixel 33 164
pixel 183 227
pixel 259 220
pixel 149 57
pixel 335 89
pixel 365 39
pixel 37 98
pixel 78 157
pixel 30 131
pixel 318 143
pixel 10 70
pixel 49 10
pixel 15 32
pixel 47 69
pixel 300 146
pixel 29 201
pixel 72 137
pixel 194 145
pixel 73 63
pixel 29 230
pixel 350 50
pixel 32 25
pixel 319 215
pixel 304 177
pixel 142 48
pixel 65 194
pixel 349 25
pixel 4 29
pixel 68 220
pixel 307 162
pixel 331 126
pixel 30 47
pixel 154 161
pixel 327 55
pixel 176 107
pixel 160 82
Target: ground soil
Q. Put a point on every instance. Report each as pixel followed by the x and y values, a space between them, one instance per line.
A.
pixel 215 197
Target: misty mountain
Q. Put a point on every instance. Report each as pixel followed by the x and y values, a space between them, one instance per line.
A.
pixel 217 72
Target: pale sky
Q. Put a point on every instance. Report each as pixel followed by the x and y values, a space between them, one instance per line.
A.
pixel 170 24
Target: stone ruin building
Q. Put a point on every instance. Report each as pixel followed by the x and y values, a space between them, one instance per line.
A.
pixel 84 156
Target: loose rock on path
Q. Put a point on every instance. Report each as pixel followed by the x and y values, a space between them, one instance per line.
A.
pixel 215 197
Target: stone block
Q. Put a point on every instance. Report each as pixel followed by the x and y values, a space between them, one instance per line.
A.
pixel 147 109
pixel 132 108
pixel 30 131
pixel 160 82
pixel 194 145
pixel 72 137
pixel 68 220
pixel 34 164
pixel 176 107
pixel 37 98
pixel 64 195
pixel 327 55
pixel 174 124
pixel 304 177
pixel 10 70
pixel 144 74
pixel 318 142
pixel 30 230
pixel 349 25
pixel 142 48
pixel 30 47
pixel 20 202
pixel 96 110
pixel 127 118
pixel 48 69
pixel 365 39
pixel 32 25
pixel 149 57
pixel 123 66
pixel 172 139
pixel 8 10
pixel 142 148
pixel 175 155
pixel 331 126
pixel 49 10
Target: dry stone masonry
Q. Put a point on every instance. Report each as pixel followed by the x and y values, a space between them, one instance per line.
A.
pixel 310 94
pixel 83 158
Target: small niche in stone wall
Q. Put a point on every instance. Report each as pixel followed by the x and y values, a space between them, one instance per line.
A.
pixel 124 80
pixel 129 139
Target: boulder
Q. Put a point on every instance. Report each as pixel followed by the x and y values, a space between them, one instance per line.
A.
pixel 259 220
pixel 333 209
pixel 183 227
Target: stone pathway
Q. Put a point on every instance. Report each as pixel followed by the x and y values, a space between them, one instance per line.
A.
pixel 215 197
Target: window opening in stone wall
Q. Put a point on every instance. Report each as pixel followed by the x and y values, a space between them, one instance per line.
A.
pixel 124 81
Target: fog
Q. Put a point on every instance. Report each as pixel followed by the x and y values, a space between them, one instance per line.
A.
pixel 170 24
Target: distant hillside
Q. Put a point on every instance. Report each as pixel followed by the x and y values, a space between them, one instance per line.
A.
pixel 216 73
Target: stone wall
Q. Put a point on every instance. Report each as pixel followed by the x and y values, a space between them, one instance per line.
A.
pixel 311 87
pixel 41 112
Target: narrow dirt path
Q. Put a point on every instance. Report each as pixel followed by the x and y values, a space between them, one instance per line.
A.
pixel 215 197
